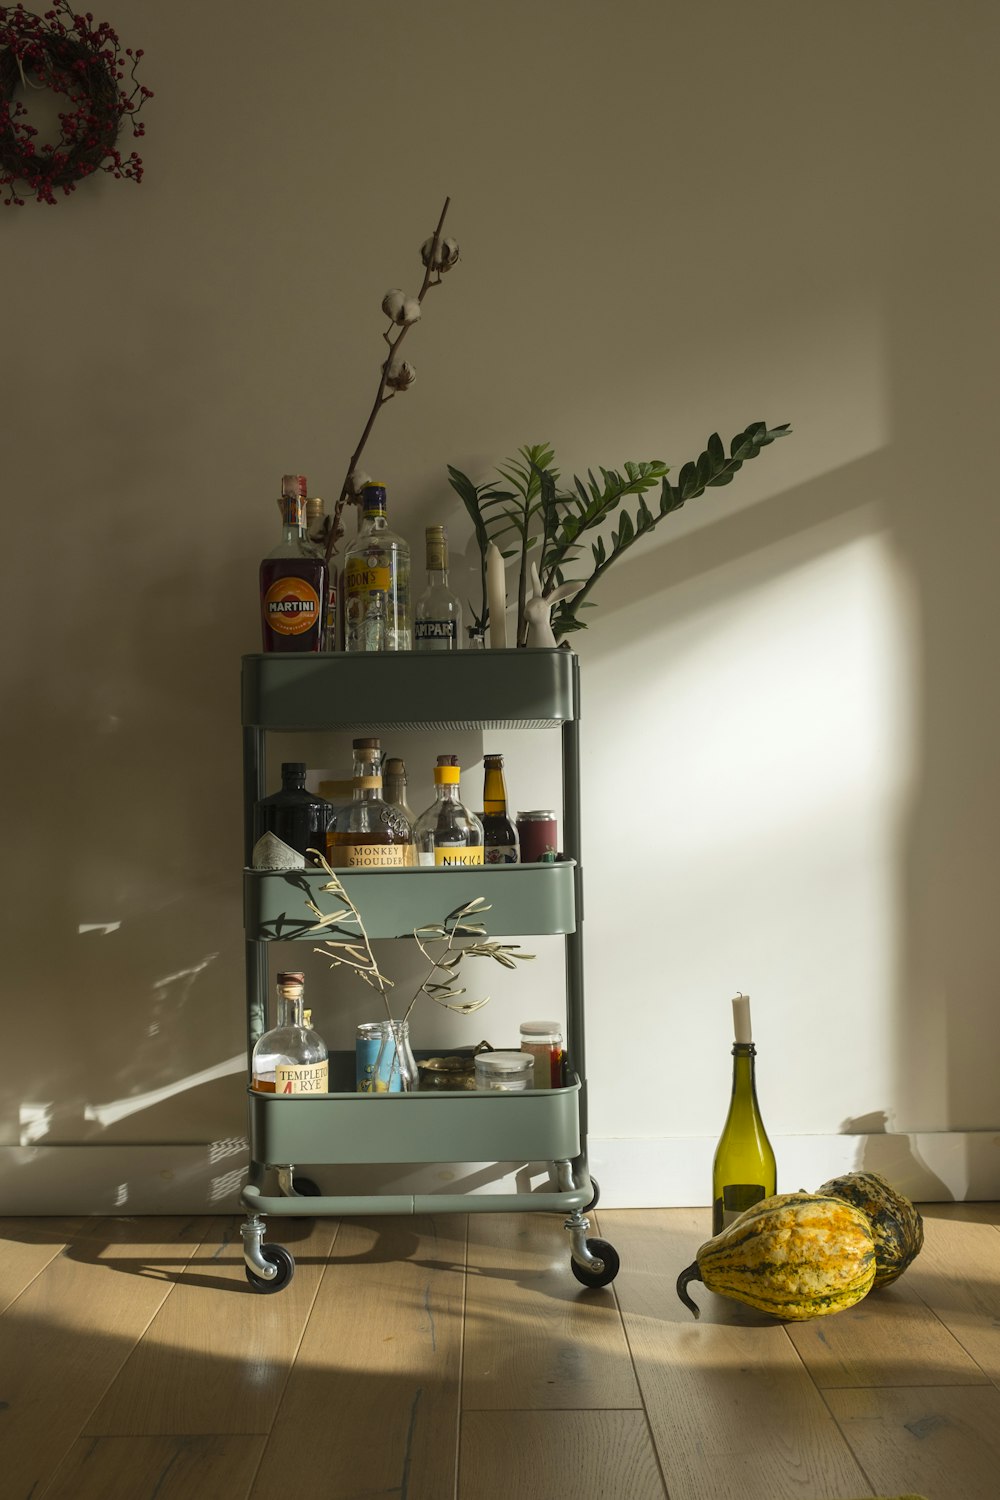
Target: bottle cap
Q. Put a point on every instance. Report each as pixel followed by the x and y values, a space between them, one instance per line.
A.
pixel 369 744
pixel 436 546
pixel 290 768
pixel 447 775
pixel 373 497
pixel 503 1062
pixel 492 760
pixel 294 485
pixel 292 978
pixel 541 1029
pixel 447 760
pixel 394 766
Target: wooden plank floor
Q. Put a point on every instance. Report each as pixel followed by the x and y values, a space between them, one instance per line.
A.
pixel 458 1359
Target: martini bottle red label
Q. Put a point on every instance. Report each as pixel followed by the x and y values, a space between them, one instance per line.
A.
pixel 293 580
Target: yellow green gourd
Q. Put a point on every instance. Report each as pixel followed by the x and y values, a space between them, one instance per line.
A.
pixel 896 1225
pixel 795 1256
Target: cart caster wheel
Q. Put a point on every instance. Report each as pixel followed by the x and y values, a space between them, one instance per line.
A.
pixel 608 1254
pixel 306 1188
pixel 595 1200
pixel 278 1256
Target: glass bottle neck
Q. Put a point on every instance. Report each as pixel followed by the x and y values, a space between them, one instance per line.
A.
pixel 290 1008
pixel 437 578
pixel 494 791
pixel 293 518
pixel 744 1072
pixel 368 788
pixel 447 791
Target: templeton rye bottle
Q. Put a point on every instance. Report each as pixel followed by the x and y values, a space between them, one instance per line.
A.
pixel 291 1058
pixel 293 580
pixel 448 834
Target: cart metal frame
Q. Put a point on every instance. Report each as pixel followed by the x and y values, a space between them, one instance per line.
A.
pixel 417 690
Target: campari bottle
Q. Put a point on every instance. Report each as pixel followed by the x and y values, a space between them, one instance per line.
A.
pixel 437 622
pixel 293 580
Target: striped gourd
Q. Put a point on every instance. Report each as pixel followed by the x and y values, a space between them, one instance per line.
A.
pixel 896 1224
pixel 795 1256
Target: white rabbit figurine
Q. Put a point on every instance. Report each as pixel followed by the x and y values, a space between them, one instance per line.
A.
pixel 538 609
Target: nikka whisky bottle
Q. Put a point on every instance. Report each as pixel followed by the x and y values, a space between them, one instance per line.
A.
pixel 448 834
pixel 293 580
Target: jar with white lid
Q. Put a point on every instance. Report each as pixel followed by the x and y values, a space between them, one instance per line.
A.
pixel 543 1040
pixel 504 1072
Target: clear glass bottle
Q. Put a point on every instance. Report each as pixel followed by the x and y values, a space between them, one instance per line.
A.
pixel 447 833
pixel 744 1170
pixel 395 1066
pixel 375 625
pixel 437 618
pixel 376 559
pixel 293 579
pixel 501 836
pixel 368 833
pixel 394 792
pixel 291 1058
pixel 316 531
pixel 298 818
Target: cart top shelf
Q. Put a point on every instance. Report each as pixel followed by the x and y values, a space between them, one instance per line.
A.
pixel 411 689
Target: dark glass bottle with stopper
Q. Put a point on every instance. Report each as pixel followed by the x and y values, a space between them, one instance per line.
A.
pixel 743 1171
pixel 295 816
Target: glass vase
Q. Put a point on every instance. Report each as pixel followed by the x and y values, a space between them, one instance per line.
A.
pixel 395 1066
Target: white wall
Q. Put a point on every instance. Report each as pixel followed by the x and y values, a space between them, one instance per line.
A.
pixel 674 218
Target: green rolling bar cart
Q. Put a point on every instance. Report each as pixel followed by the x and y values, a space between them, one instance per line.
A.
pixel 433 691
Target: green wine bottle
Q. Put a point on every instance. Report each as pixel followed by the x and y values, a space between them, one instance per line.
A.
pixel 743 1171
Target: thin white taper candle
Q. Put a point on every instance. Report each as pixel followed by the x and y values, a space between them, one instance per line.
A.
pixel 741 1018
pixel 496 596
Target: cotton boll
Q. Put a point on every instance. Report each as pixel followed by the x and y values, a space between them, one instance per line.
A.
pixel 393 303
pixel 400 375
pixel 447 254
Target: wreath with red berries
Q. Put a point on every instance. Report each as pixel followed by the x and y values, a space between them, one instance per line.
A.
pixel 83 60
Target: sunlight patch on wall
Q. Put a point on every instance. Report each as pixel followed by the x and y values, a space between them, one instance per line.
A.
pixel 120 1109
pixel 772 725
pixel 35 1121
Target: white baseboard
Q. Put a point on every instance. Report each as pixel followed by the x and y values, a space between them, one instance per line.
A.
pixel 939 1166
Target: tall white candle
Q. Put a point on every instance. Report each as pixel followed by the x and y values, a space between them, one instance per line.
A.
pixel 741 1018
pixel 496 596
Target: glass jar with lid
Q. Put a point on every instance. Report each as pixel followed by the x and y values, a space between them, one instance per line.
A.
pixel 543 1040
pixel 504 1072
